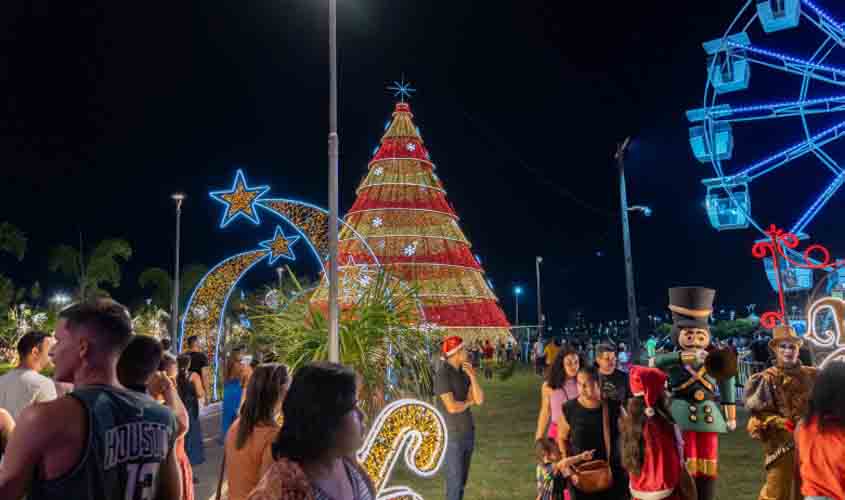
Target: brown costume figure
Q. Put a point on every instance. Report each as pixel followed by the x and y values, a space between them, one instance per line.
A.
pixel 777 398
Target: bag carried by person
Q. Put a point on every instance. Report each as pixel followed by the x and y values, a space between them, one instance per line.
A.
pixel 595 476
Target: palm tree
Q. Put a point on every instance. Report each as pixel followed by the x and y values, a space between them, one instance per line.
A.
pixel 380 338
pixel 12 240
pixel 100 267
pixel 161 284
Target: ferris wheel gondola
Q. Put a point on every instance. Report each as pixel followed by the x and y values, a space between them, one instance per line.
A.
pixel 796 45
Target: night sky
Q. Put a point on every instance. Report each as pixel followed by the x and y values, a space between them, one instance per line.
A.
pixel 108 107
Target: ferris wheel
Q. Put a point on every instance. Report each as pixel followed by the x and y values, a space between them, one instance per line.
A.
pixel 761 135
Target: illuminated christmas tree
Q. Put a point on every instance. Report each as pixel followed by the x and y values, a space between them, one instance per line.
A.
pixel 402 213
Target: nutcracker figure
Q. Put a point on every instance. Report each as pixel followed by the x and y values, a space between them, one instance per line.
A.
pixel 695 376
pixel 777 398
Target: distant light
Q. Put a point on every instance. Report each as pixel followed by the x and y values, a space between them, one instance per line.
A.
pixel 647 211
pixel 178 196
pixel 599 253
pixel 517 290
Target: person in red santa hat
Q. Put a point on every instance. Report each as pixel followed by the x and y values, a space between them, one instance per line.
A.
pixel 457 390
pixel 651 442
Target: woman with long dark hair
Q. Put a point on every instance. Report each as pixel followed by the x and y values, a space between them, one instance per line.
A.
pixel 581 428
pixel 820 437
pixel 189 385
pixel 314 452
pixel 248 441
pixel 650 441
pixel 559 387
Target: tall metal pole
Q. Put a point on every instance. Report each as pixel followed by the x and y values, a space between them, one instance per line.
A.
pixel 175 344
pixel 540 318
pixel 626 239
pixel 516 303
pixel 334 312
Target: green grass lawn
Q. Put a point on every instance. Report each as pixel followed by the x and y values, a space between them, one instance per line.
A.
pixel 503 463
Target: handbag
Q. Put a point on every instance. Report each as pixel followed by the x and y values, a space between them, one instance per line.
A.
pixel 596 476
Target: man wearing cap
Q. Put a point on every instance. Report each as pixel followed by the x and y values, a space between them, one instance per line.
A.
pixel 457 389
pixel 777 398
pixel 693 383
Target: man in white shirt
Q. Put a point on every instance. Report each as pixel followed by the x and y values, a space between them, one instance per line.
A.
pixel 539 357
pixel 24 385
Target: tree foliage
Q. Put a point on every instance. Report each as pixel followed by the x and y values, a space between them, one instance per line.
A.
pixel 379 338
pixel 12 240
pixel 101 267
pixel 160 283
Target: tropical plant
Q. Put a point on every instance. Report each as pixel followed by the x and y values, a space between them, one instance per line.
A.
pixel 380 338
pixel 12 240
pixel 151 320
pixel 92 271
pixel 160 282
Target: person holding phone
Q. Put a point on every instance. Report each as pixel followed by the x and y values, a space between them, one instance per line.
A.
pixel 457 390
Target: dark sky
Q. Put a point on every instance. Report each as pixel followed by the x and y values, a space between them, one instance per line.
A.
pixel 108 107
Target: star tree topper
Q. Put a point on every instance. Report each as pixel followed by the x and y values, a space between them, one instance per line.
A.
pixel 402 89
pixel 280 246
pixel 240 200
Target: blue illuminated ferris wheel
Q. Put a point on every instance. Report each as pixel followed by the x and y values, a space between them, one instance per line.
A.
pixel 779 132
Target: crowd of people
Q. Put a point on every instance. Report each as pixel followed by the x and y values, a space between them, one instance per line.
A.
pixel 651 433
pixel 121 419
pixel 129 414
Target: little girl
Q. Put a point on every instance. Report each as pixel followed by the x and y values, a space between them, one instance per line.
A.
pixel 552 470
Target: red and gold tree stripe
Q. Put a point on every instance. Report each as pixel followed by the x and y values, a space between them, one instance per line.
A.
pixel 399 196
pixel 412 222
pixel 392 251
pixel 401 171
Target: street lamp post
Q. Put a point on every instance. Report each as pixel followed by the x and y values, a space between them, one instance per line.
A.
pixel 279 272
pixel 517 291
pixel 540 318
pixel 626 240
pixel 174 304
pixel 334 312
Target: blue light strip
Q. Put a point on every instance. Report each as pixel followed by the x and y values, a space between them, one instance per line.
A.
pixel 817 205
pixel 787 154
pixel 787 58
pixel 320 258
pixel 222 309
pixel 824 15
pixel 239 184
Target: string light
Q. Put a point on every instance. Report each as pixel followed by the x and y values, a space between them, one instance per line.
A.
pixel 240 200
pixel 412 425
pixel 833 340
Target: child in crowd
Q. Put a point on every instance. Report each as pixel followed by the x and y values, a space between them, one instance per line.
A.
pixel 552 471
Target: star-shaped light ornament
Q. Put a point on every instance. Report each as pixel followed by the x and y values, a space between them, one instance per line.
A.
pixel 240 200
pixel 280 246
pixel 402 89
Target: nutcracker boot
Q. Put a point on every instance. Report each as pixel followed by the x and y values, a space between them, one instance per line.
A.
pixel 706 488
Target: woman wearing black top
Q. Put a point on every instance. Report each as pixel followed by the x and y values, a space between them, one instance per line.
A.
pixel 583 431
pixel 190 389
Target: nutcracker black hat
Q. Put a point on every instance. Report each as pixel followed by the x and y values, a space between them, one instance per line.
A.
pixel 691 306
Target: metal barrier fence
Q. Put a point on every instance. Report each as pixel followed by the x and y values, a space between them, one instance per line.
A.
pixel 746 367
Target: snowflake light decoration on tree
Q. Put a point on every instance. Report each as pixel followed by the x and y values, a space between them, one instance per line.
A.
pixel 378 171
pixel 410 250
pixel 378 221
pixel 411 147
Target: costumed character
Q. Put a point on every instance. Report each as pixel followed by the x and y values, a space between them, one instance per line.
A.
pixel 651 443
pixel 777 398
pixel 694 376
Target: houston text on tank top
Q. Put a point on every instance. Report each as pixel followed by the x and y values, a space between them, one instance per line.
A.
pixel 129 436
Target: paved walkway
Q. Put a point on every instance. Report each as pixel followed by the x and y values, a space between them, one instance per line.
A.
pixel 210 470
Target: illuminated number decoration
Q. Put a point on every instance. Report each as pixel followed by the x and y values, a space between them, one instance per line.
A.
pixel 831 340
pixel 408 424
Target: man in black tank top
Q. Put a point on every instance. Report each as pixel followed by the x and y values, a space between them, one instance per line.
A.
pixel 100 442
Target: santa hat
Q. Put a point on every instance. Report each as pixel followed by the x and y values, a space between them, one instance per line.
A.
pixel 451 345
pixel 649 383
